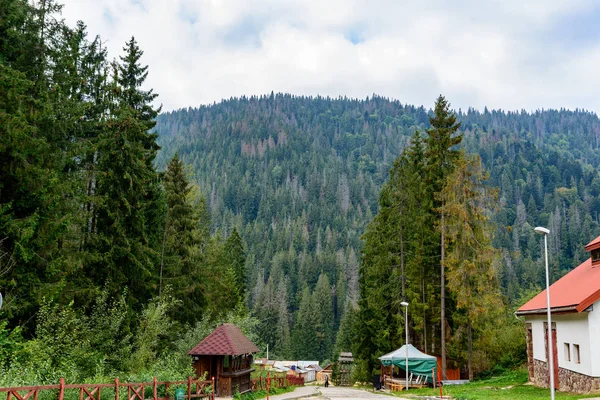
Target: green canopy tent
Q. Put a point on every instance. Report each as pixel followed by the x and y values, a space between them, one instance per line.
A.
pixel 418 363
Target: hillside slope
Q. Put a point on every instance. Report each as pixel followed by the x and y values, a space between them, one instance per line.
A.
pixel 300 178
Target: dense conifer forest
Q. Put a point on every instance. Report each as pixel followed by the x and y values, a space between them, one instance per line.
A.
pixel 301 179
pixel 127 233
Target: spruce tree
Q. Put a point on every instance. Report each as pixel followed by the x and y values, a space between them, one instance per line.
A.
pixel 36 196
pixel 183 258
pixel 127 186
pixel 234 250
pixel 441 157
pixel 304 340
pixel 219 280
pixel 282 327
pixel 323 310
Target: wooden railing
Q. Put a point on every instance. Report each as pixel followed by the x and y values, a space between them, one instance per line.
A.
pixel 276 382
pixel 196 388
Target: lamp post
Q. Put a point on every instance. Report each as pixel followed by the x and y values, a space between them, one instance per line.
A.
pixel 405 305
pixel 545 232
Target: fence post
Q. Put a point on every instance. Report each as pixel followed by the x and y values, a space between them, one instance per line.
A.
pixel 440 383
pixel 268 383
pixel 116 388
pixel 61 390
pixel 213 388
pixel 154 388
pixel 189 388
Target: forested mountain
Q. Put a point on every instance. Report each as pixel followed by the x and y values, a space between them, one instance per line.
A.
pixel 300 177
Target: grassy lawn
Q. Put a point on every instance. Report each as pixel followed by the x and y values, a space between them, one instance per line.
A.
pixel 512 385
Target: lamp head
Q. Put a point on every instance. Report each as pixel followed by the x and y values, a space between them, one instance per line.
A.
pixel 404 304
pixel 541 230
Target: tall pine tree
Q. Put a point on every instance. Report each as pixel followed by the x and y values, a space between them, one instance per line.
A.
pixel 441 157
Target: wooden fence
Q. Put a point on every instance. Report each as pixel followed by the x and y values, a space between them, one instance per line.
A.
pixel 196 388
pixel 276 382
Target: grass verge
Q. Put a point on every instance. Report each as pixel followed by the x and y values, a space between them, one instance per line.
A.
pixel 259 394
pixel 510 386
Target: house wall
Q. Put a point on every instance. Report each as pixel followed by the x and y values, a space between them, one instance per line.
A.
pixel 573 329
pixel 537 331
pixel 577 328
pixel 594 335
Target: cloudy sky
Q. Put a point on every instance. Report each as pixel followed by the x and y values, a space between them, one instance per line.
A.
pixel 523 54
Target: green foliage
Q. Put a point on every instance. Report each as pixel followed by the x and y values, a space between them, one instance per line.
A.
pixel 236 257
pixel 335 374
pixel 11 343
pixel 185 238
pixel 154 326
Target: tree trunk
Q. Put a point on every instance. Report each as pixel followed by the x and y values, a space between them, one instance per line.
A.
pixel 402 264
pixel 424 310
pixel 443 305
pixel 470 361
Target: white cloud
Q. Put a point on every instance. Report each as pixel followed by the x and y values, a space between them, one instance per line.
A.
pixel 498 54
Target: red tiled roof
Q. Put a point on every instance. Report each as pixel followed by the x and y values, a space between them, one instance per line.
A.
pixel 227 339
pixel 574 292
pixel 593 245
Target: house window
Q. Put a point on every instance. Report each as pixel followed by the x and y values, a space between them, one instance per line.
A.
pixel 576 354
pixel 567 352
pixel 595 256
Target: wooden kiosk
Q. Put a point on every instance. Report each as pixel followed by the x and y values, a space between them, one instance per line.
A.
pixel 226 356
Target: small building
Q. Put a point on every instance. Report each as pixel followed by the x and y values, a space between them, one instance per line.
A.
pixel 575 307
pixel 308 374
pixel 325 371
pixel 226 356
pixel 263 363
pixel 345 362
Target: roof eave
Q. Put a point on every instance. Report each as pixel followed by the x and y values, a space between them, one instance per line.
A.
pixel 554 310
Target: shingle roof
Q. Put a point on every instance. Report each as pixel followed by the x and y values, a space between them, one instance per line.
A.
pixel 574 292
pixel 227 339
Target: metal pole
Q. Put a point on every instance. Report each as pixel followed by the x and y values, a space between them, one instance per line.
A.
pixel 550 342
pixel 406 329
pixel 405 305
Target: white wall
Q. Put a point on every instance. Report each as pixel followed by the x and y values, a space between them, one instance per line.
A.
pixel 594 334
pixel 537 330
pixel 572 329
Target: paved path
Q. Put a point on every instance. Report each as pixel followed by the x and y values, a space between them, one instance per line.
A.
pixel 337 393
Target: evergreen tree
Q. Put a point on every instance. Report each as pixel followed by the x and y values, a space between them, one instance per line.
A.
pixel 219 280
pixel 131 77
pixel 184 243
pixel 304 340
pixel 470 262
pixel 127 186
pixel 441 157
pixel 234 249
pixel 323 310
pixel 282 327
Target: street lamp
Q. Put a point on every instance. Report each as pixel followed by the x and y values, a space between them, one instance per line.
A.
pixel 545 232
pixel 405 305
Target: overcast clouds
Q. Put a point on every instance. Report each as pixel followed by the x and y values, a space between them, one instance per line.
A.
pixel 501 54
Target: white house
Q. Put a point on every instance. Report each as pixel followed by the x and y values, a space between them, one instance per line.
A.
pixel 575 307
